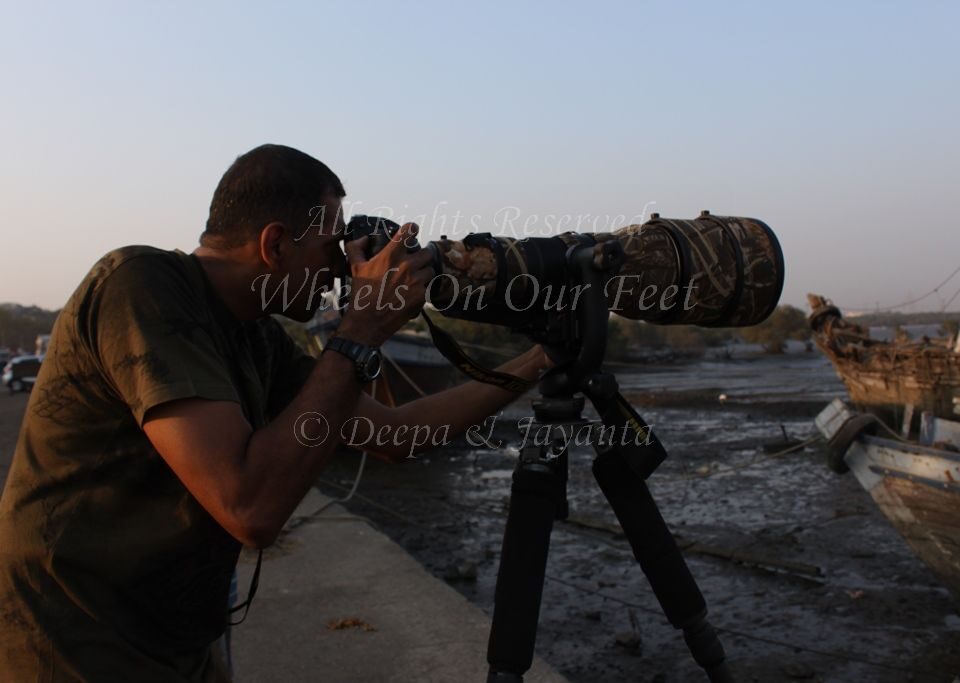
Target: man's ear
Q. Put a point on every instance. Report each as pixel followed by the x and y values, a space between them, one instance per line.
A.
pixel 272 245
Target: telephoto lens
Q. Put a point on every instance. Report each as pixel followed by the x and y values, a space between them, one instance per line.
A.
pixel 712 271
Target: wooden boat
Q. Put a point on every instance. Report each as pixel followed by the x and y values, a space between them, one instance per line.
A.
pixel 915 483
pixel 412 366
pixel 896 380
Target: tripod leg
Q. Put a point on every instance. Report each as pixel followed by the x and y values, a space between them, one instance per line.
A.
pixel 537 497
pixel 659 557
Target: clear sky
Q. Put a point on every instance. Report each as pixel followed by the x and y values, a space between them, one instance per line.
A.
pixel 837 123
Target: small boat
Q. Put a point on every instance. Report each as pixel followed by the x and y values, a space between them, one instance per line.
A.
pixel 915 482
pixel 895 380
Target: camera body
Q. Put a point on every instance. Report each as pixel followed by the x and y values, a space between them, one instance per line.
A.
pixel 379 230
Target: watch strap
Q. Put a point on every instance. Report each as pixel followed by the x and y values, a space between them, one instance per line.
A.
pixel 355 351
pixel 347 347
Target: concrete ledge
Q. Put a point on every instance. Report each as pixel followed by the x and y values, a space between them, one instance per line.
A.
pixel 336 566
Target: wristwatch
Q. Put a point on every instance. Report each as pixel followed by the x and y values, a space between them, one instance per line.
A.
pixel 367 359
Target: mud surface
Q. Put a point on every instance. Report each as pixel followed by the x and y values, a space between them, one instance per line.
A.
pixel 875 615
pixel 827 590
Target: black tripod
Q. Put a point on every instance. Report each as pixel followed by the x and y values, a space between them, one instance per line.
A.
pixel 627 453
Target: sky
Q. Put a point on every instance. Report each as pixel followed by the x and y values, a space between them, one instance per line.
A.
pixel 835 123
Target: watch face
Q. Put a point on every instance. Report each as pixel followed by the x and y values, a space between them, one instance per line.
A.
pixel 372 365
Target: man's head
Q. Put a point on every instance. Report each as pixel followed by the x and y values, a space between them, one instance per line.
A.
pixel 270 183
pixel 277 212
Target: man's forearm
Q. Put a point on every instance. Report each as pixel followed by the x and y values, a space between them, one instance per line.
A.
pixel 306 433
pixel 286 464
pixel 462 406
pixel 288 454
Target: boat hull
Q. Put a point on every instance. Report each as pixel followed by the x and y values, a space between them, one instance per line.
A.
pixel 925 510
pixel 884 386
pixel 916 487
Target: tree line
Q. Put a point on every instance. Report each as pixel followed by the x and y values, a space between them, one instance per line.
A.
pixel 634 340
pixel 20 325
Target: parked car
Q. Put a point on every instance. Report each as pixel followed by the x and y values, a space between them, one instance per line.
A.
pixel 20 373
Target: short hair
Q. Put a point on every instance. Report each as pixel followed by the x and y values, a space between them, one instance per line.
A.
pixel 268 183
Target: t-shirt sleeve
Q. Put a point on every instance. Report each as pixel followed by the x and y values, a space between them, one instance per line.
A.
pixel 150 334
pixel 292 366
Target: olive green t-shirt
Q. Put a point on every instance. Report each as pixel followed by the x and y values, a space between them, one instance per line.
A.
pixel 109 569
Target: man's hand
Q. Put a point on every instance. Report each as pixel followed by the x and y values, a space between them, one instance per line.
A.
pixel 387 290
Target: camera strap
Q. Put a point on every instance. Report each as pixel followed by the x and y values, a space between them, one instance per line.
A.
pixel 245 605
pixel 451 350
pixel 642 451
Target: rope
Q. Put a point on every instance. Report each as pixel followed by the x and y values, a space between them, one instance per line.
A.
pixel 893 434
pixel 950 301
pixel 372 503
pixel 752 636
pixel 294 523
pixel 353 489
pixel 404 375
pixel 749 463
pixel 911 301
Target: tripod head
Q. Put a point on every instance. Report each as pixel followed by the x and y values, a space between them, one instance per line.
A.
pixel 575 336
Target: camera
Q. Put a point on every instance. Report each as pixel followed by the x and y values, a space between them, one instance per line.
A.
pixel 379 230
pixel 712 271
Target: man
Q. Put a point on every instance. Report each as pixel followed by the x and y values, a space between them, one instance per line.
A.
pixel 162 432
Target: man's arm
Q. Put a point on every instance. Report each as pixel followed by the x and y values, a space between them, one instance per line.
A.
pixel 454 410
pixel 251 481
